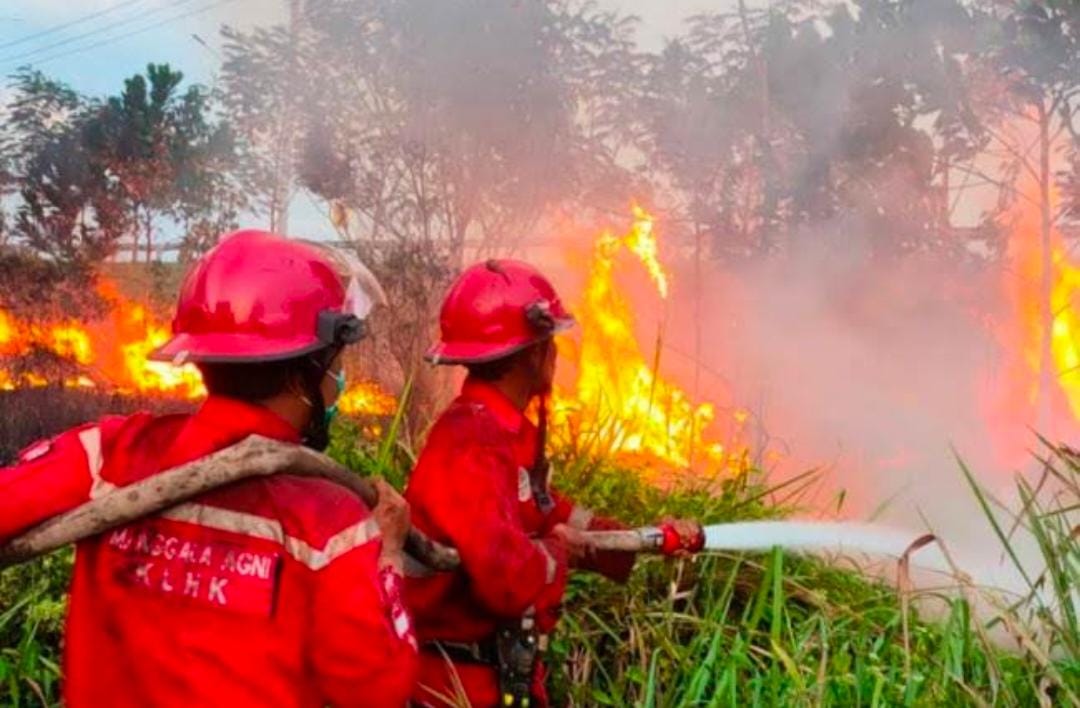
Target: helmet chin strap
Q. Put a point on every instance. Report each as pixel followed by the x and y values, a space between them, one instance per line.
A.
pixel 542 388
pixel 540 472
pixel 316 434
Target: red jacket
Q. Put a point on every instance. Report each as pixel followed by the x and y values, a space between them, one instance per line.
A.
pixel 471 489
pixel 264 593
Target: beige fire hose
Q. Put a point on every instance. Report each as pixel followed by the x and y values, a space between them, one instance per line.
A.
pixel 255 456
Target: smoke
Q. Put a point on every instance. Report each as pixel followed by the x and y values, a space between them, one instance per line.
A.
pixel 878 375
pixel 855 366
pixel 661 21
pixel 245 14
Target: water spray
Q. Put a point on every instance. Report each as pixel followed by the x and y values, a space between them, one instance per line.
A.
pixel 806 536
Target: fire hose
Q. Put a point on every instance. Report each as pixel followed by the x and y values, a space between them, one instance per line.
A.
pixel 253 457
pixel 257 456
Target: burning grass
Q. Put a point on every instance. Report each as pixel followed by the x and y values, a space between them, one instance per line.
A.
pixel 765 629
pixel 106 353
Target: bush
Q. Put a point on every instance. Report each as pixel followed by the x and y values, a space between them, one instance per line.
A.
pixel 32 608
pixel 785 630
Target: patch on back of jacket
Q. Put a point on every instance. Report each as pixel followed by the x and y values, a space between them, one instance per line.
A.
pixel 192 564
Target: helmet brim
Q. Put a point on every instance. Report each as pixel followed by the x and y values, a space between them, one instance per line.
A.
pixel 463 353
pixel 219 348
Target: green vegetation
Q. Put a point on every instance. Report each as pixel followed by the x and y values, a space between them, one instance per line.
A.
pixel 784 630
pixel 31 626
pixel 767 629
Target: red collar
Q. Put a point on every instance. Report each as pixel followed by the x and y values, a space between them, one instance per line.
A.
pixel 484 393
pixel 240 418
pixel 220 422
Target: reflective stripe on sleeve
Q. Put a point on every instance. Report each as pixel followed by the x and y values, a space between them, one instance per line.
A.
pixel 90 439
pixel 552 569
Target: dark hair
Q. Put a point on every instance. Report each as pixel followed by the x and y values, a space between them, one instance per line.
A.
pixel 248 382
pixel 498 368
pixel 493 370
pixel 253 382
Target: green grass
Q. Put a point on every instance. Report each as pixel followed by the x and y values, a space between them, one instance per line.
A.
pixel 32 604
pixel 777 629
pixel 769 629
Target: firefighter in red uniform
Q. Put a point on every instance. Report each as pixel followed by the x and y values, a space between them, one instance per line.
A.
pixel 481 485
pixel 279 591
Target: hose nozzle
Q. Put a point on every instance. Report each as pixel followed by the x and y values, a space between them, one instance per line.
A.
pixel 671 543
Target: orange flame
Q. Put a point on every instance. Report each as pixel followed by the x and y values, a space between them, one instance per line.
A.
pixel 111 353
pixel 1065 335
pixel 1053 408
pixel 108 352
pixel 366 398
pixel 619 400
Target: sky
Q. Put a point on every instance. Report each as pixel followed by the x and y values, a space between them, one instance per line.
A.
pixel 93 45
pixel 107 40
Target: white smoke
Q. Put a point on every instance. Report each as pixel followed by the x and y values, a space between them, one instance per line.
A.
pixel 877 375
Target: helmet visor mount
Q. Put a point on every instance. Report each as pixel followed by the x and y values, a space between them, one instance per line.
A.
pixel 339 329
pixel 362 294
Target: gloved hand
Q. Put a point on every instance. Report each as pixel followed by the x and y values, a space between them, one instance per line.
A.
pixel 576 542
pixel 392 515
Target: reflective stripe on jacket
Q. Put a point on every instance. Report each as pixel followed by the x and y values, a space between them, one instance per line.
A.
pixel 264 593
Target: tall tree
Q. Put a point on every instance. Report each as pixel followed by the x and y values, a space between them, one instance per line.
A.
pixel 89 174
pixel 69 209
pixel 167 154
pixel 770 121
pixel 7 177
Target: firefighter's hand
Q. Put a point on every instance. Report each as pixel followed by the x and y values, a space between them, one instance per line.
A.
pixel 576 542
pixel 689 532
pixel 392 515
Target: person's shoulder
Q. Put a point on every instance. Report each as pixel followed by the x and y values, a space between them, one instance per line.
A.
pixel 466 422
pixel 316 510
pixel 143 426
pixel 104 434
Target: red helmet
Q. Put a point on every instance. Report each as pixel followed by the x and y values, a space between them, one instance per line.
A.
pixel 494 309
pixel 261 297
